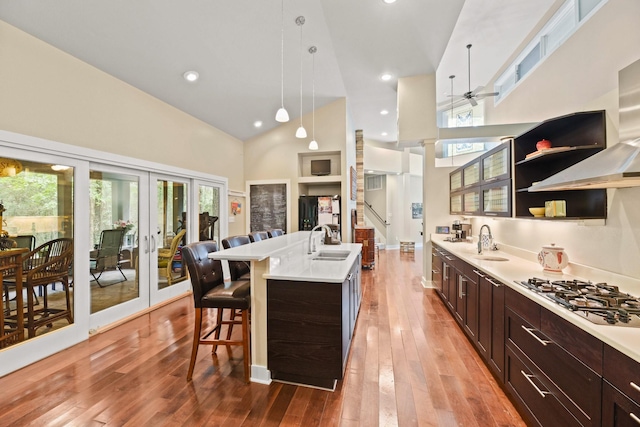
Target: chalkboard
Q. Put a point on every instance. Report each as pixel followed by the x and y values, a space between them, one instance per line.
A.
pixel 268 207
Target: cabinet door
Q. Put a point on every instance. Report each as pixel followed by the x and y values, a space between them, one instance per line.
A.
pixel 471 174
pixel 455 203
pixel 461 297
pixel 497 166
pixel 497 349
pixel 471 304
pixel 496 198
pixel 471 202
pixel 617 409
pixel 455 180
pixel 436 270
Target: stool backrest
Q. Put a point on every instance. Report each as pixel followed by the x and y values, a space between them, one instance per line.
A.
pixel 205 273
pixel 275 232
pixel 258 235
pixel 237 269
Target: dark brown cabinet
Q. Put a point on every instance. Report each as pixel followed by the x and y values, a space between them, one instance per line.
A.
pixel 552 366
pixel 310 326
pixel 490 342
pixel 366 236
pixel 436 268
pixel 621 390
pixel 483 186
pixel 574 137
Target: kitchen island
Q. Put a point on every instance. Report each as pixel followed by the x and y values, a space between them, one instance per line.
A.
pixel 285 259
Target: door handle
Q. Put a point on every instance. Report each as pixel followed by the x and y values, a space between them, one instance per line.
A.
pixel 146 244
pixel 153 243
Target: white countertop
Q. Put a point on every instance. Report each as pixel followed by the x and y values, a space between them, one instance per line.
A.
pixel 289 260
pixel 625 339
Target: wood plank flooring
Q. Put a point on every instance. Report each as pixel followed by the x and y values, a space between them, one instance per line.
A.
pixel 410 365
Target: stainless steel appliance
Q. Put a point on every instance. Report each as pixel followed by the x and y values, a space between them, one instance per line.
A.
pixel 461 231
pixel 598 302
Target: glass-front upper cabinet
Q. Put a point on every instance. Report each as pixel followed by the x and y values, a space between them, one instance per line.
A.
pixel 471 174
pixel 495 166
pixel 496 198
pixel 455 181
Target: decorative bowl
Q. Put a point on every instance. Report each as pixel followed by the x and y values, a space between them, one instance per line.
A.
pixel 537 212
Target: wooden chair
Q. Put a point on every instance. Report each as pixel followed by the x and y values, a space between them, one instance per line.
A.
pixel 46 264
pixel 210 291
pixel 258 235
pixel 166 258
pixel 275 232
pixel 108 256
pixel 239 270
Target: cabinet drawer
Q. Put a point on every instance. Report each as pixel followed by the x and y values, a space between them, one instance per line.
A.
pixel 617 409
pixel 527 309
pixel 535 394
pixel 581 385
pixel 623 372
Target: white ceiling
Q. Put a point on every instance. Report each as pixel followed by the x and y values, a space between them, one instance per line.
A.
pixel 235 47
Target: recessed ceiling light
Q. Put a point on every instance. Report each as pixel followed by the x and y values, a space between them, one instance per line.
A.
pixel 384 134
pixel 369 171
pixel 384 112
pixel 257 123
pixel 385 77
pixel 191 76
pixel 388 1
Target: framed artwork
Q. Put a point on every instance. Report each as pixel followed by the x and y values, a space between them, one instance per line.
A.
pixel 354 183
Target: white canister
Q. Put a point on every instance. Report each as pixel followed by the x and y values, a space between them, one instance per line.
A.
pixel 552 258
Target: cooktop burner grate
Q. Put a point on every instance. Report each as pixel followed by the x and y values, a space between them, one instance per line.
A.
pixel 599 303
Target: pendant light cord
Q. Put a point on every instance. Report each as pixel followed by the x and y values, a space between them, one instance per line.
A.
pixel 313 92
pixel 301 23
pixel 282 53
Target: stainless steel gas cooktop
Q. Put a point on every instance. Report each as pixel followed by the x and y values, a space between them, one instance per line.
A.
pixel 598 302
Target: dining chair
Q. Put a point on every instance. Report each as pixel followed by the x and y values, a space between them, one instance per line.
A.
pixel 258 236
pixel 275 232
pixel 166 257
pixel 211 292
pixel 108 255
pixel 48 263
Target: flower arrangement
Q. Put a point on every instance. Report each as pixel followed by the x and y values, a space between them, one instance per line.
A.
pixel 124 225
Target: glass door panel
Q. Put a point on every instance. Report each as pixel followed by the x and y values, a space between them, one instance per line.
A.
pixel 37 216
pixel 117 286
pixel 170 209
pixel 208 213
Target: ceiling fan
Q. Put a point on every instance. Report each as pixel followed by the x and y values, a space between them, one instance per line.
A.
pixel 473 95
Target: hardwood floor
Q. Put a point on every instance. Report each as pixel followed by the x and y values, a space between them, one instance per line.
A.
pixel 410 365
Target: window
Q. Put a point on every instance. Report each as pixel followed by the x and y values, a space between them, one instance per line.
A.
pixel 558 29
pixel 374 182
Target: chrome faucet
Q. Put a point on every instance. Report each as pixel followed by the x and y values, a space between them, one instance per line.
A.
pixel 327 230
pixel 480 240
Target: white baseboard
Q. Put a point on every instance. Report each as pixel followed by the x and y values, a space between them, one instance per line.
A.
pixel 260 374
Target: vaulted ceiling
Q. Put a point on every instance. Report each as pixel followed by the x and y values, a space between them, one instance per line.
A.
pixel 235 46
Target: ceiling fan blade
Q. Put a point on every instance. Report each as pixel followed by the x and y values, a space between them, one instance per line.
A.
pixel 473 102
pixel 476 90
pixel 484 95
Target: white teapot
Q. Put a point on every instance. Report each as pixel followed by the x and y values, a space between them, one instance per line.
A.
pixel 552 258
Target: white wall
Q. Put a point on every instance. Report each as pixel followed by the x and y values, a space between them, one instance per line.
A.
pixel 581 75
pixel 50 94
pixel 273 155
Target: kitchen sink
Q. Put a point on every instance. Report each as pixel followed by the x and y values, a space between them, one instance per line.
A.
pixel 331 256
pixel 490 258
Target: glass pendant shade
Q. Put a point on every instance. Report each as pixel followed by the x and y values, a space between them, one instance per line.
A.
pixel 282 116
pixel 301 132
pixel 313 145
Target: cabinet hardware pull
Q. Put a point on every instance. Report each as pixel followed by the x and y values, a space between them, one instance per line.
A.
pixel 497 285
pixel 528 378
pixel 634 417
pixel 460 281
pixel 350 276
pixel 445 270
pixel 435 271
pixel 541 341
pixel 478 273
pixel 634 386
pixel 449 258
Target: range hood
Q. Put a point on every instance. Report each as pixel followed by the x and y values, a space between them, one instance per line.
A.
pixel 617 166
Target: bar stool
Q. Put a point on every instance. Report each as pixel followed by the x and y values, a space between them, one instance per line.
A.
pixel 239 270
pixel 275 232
pixel 258 235
pixel 210 291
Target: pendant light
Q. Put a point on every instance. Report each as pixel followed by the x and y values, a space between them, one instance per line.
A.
pixel 301 132
pixel 282 115
pixel 313 145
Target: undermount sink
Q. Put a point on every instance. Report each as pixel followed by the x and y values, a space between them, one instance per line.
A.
pixel 490 258
pixel 331 256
